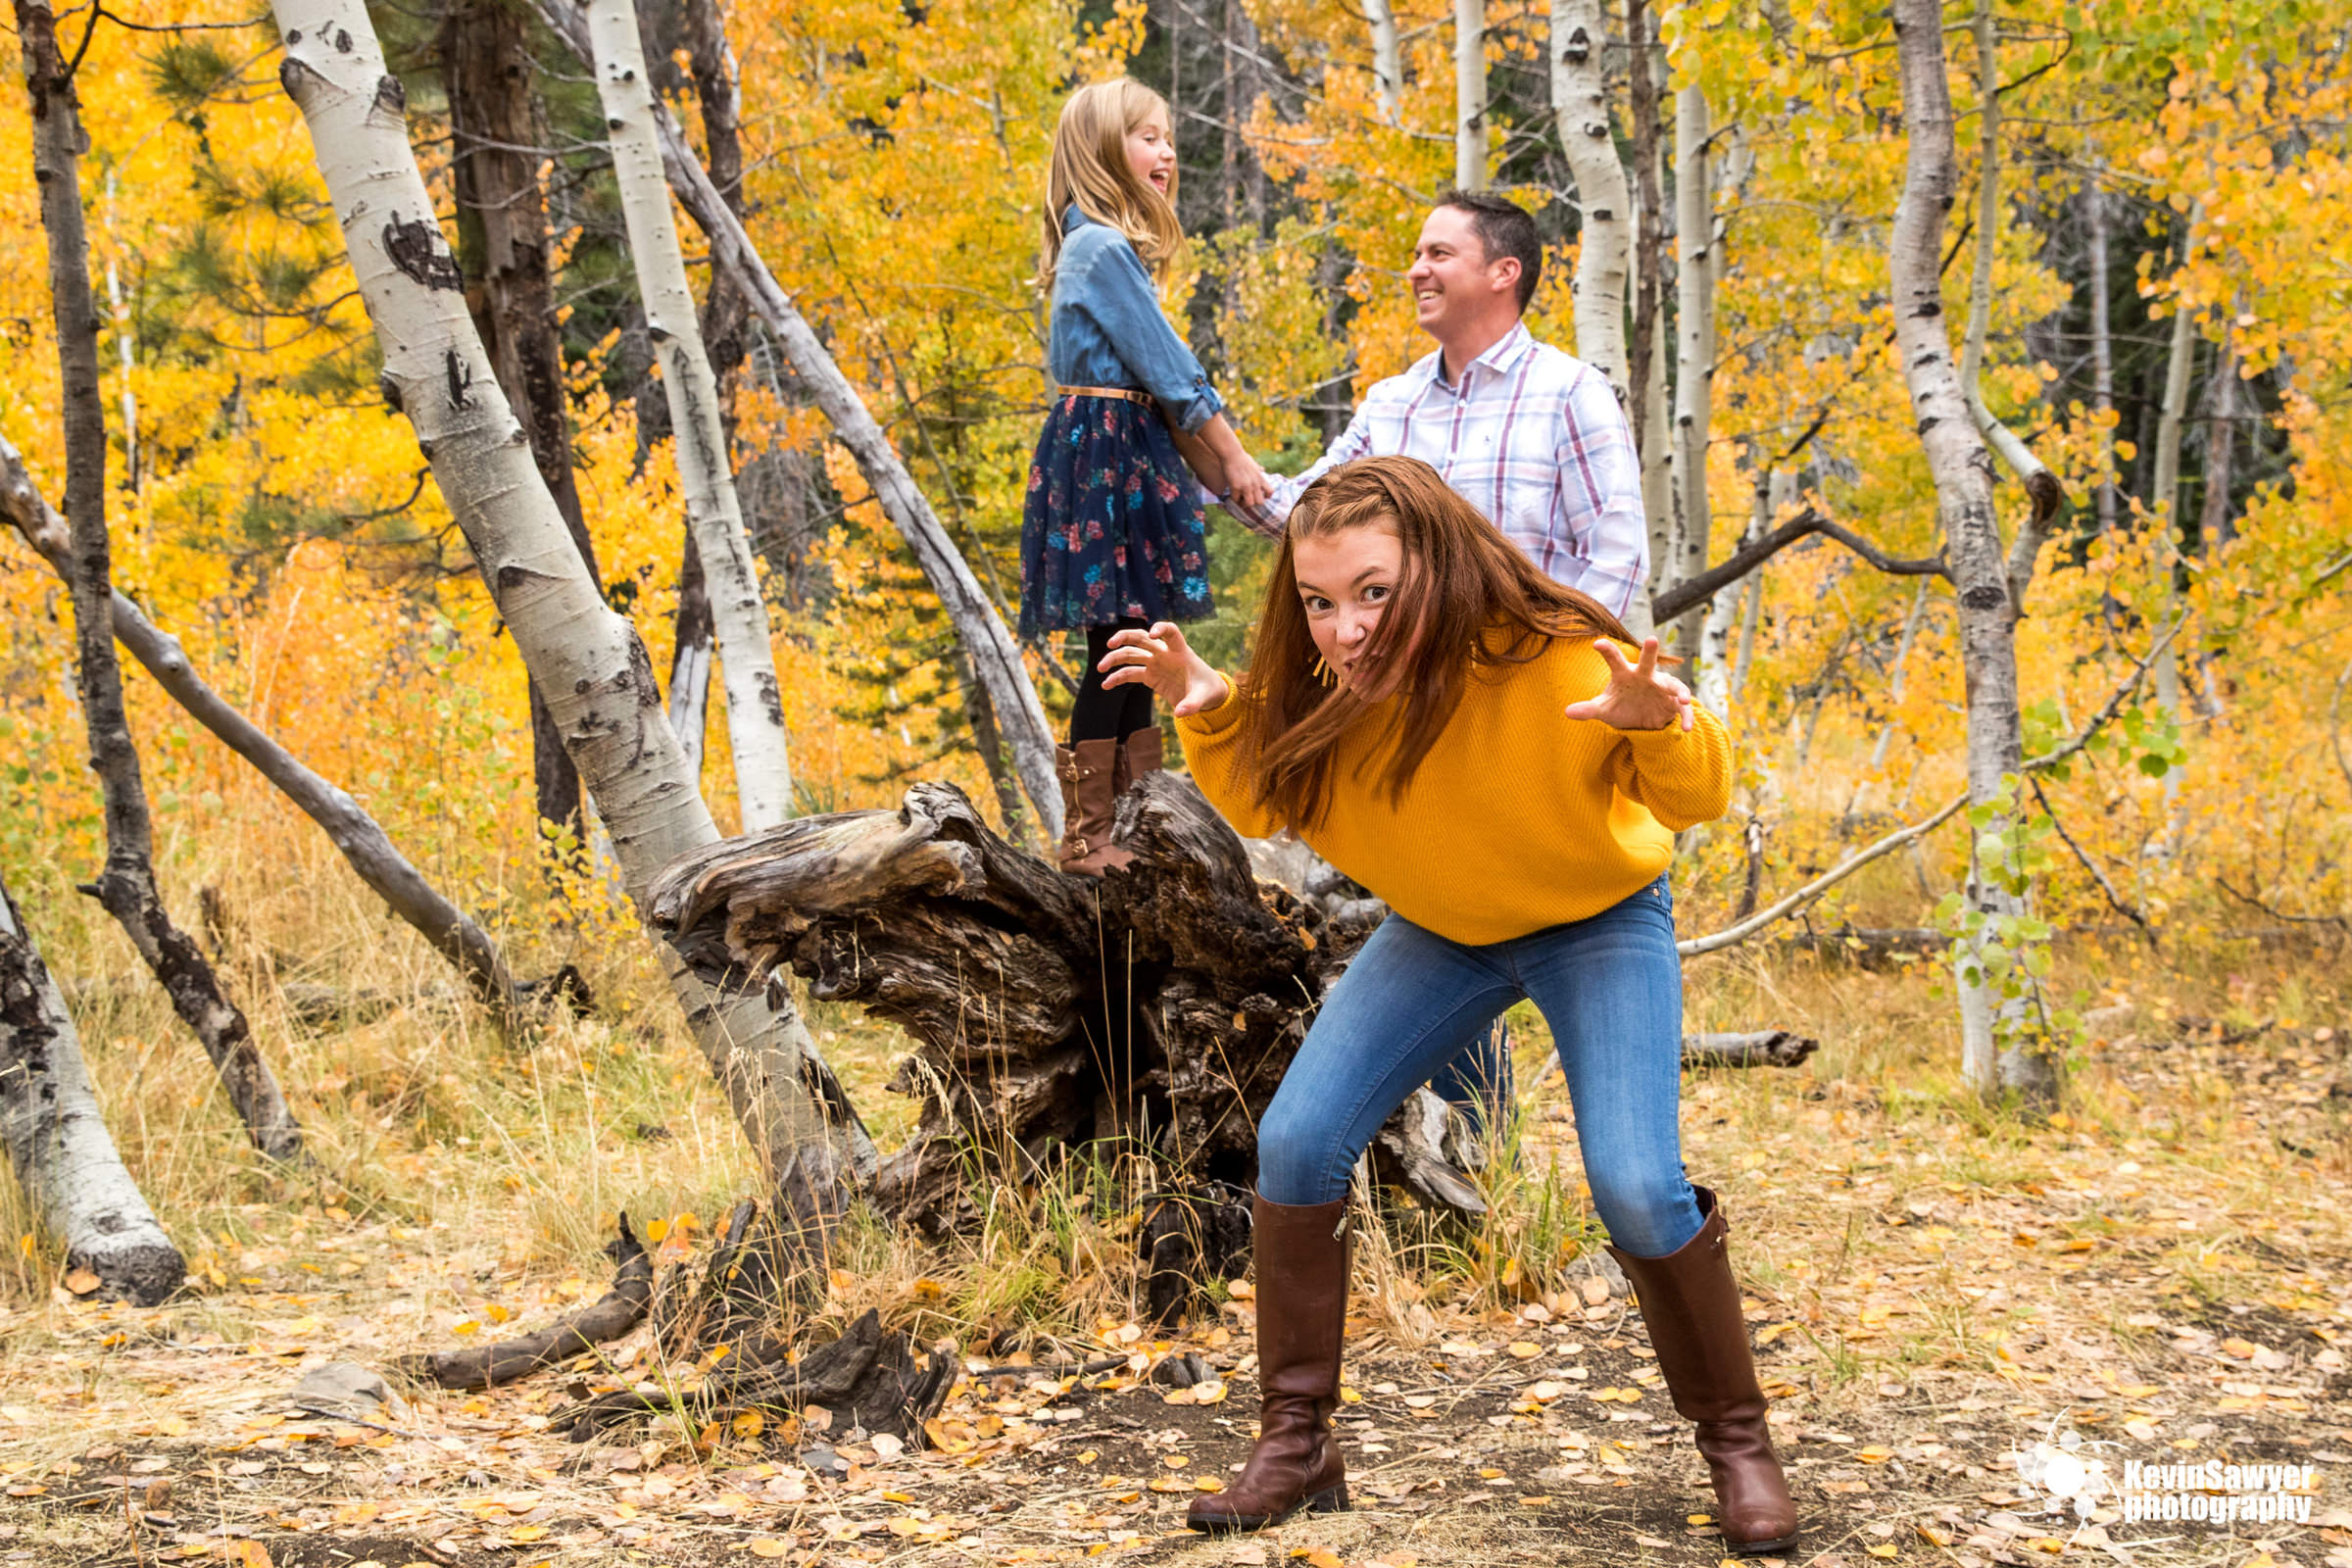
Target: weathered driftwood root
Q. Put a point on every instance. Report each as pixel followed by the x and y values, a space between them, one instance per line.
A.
pixel 1765 1048
pixel 1160 1005
pixel 867 1378
pixel 612 1315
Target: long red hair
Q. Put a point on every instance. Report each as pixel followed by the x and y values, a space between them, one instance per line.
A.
pixel 1468 600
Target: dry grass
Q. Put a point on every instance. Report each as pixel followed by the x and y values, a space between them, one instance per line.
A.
pixel 1909 1253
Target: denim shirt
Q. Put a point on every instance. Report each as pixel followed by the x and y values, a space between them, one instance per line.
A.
pixel 1108 330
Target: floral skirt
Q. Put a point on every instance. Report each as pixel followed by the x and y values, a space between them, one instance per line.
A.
pixel 1112 526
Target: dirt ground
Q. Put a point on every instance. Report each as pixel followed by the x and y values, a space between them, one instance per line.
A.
pixel 1936 1304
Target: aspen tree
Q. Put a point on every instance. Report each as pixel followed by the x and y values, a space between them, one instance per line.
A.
pixel 599 681
pixel 1962 469
pixel 56 1140
pixel 706 473
pixel 1580 110
pixel 125 887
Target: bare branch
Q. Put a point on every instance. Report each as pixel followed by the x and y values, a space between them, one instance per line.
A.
pixel 1672 601
pixel 1742 930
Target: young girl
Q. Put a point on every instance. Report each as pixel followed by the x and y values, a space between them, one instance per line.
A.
pixel 1112 533
pixel 1469 740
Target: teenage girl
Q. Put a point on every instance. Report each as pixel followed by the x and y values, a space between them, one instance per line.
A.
pixel 1112 533
pixel 1489 753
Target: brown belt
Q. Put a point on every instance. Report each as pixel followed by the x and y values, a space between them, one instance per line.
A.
pixel 1127 392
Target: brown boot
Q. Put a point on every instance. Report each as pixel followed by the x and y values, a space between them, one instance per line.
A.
pixel 1088 803
pixel 1301 1263
pixel 1691 1305
pixel 1139 754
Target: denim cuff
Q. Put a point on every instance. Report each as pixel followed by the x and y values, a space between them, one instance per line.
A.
pixel 1204 405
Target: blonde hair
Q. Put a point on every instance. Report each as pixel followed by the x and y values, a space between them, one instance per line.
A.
pixel 1090 170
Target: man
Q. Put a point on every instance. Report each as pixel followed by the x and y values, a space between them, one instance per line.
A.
pixel 1529 435
pixel 1532 437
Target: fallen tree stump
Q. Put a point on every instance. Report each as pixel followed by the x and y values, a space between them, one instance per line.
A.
pixel 1160 1005
pixel 1765 1048
pixel 609 1317
pixel 869 1378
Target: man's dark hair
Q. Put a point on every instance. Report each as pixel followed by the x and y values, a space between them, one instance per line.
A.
pixel 1504 229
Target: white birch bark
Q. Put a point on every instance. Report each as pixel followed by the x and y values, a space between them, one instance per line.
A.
pixel 2102 348
pixel 360 838
pixel 995 657
pixel 690 700
pixel 1779 493
pixel 1388 68
pixel 1580 109
pixel 1894 682
pixel 1712 684
pixel 747 665
pixel 1694 353
pixel 2164 489
pixel 1962 469
pixel 56 1140
pixel 598 682
pixel 2041 485
pixel 1657 460
pixel 1470 94
pixel 125 886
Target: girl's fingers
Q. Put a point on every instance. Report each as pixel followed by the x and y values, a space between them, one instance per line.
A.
pixel 1649 658
pixel 1615 657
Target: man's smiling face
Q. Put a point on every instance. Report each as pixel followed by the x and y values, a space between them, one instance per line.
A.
pixel 1452 282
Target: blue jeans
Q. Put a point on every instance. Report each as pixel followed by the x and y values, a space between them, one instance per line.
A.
pixel 1611 988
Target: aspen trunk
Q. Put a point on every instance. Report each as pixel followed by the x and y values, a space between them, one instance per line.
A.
pixel 486 71
pixel 1388 70
pixel 1713 686
pixel 1470 94
pixel 2164 490
pixel 1780 491
pixel 738 613
pixel 2102 349
pixel 2043 488
pixel 126 886
pixel 1885 742
pixel 57 1142
pixel 1244 182
pixel 990 644
pixel 690 660
pixel 362 841
pixel 599 681
pixel 1652 438
pixel 1962 469
pixel 1694 353
pixel 1580 106
pixel 726 320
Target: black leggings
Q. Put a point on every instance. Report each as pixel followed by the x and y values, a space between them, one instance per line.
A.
pixel 1108 713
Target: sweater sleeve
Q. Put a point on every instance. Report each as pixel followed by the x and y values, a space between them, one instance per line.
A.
pixel 1684 777
pixel 1212 752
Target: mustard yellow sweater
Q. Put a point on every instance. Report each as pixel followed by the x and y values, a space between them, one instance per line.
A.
pixel 1518 819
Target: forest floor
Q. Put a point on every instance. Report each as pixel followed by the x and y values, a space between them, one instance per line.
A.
pixel 1941 1294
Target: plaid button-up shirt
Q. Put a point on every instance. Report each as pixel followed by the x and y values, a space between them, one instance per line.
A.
pixel 1531 437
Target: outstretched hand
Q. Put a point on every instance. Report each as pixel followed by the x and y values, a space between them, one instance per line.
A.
pixel 1163 661
pixel 1638 696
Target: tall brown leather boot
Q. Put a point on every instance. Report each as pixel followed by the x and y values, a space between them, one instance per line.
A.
pixel 1301 1264
pixel 1691 1305
pixel 1089 801
pixel 1139 754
